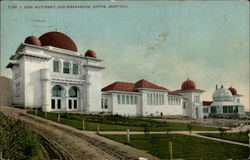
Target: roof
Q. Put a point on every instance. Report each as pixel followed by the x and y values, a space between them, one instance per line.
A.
pixel 207 103
pixel 132 87
pixel 173 93
pixel 59 40
pixel 193 90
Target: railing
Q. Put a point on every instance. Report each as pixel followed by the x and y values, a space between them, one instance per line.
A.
pixel 67 76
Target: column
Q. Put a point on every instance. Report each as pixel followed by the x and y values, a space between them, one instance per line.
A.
pixel 46 89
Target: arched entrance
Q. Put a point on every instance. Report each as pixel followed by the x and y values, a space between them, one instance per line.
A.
pixel 73 100
pixel 56 100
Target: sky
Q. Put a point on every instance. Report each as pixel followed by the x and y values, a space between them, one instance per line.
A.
pixel 164 42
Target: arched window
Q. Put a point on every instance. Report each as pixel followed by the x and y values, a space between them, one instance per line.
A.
pixel 57 91
pixel 73 92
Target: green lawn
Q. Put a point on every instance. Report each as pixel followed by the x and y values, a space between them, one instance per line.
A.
pixel 237 137
pixel 185 147
pixel 118 123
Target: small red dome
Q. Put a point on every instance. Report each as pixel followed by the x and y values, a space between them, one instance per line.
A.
pixel 90 53
pixel 33 40
pixel 232 90
pixel 188 85
pixel 59 40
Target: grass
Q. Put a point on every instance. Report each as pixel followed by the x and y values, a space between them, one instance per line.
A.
pixel 241 137
pixel 118 123
pixel 185 147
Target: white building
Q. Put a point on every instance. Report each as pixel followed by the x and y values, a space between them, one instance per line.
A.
pixel 144 98
pixel 48 72
pixel 226 103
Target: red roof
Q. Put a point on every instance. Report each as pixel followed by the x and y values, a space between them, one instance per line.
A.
pixel 146 84
pixel 188 85
pixel 132 87
pixel 207 103
pixel 59 40
pixel 173 93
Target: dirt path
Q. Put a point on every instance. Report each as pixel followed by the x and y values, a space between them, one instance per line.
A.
pixel 79 145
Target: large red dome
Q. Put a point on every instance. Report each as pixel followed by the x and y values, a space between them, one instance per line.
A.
pixel 33 40
pixel 59 40
pixel 188 85
pixel 232 90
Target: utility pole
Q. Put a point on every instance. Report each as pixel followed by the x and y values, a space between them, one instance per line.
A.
pixel 128 136
pixel 58 118
pixel 98 128
pixel 170 150
pixel 83 125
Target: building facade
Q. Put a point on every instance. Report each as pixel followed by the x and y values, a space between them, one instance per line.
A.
pixel 226 103
pixel 49 73
pixel 144 98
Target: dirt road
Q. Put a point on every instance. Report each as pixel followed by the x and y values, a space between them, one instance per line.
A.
pixel 76 144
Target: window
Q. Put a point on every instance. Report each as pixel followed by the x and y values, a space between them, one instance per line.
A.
pixel 162 99
pixel 75 104
pixel 184 104
pixel 213 109
pixel 151 99
pixel 73 92
pixel 58 104
pixel 230 109
pixel 56 91
pixel 225 109
pixel 123 99
pixel 127 99
pixel 135 102
pixel 148 99
pixel 56 66
pixel 75 68
pixel 236 109
pixel 154 99
pixel 102 103
pixel 70 104
pixel 119 99
pixel 66 67
pixel 106 104
pixel 238 100
pixel 131 100
pixel 53 104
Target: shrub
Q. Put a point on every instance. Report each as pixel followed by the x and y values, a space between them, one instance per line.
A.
pixel 17 140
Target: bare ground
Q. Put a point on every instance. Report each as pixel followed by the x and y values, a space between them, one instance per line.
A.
pixel 71 143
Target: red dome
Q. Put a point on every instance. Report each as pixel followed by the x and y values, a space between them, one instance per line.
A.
pixel 90 53
pixel 188 85
pixel 232 90
pixel 33 40
pixel 59 40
